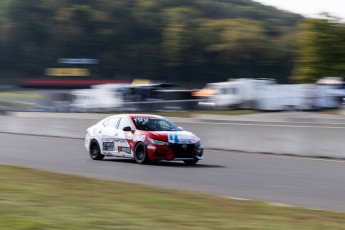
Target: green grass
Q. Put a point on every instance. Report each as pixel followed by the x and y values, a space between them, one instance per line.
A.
pixel 14 99
pixel 21 104
pixel 21 95
pixel 32 199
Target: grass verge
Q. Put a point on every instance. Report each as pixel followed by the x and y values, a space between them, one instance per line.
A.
pixel 17 95
pixel 20 104
pixel 33 199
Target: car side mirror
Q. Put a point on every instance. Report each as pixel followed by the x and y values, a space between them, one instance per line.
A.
pixel 180 128
pixel 127 128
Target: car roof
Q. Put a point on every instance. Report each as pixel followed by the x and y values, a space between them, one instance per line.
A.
pixel 138 115
pixel 143 115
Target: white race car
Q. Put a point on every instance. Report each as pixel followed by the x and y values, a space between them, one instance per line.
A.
pixel 143 138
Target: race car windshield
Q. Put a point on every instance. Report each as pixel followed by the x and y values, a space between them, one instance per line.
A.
pixel 154 124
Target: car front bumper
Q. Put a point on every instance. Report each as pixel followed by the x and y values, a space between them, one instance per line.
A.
pixel 177 152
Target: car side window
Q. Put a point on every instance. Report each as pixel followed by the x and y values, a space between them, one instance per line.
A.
pixel 124 122
pixel 105 122
pixel 112 122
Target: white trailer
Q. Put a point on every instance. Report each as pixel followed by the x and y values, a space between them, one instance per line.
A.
pixel 96 99
pixel 280 97
pixel 239 93
pixel 325 98
pixel 265 94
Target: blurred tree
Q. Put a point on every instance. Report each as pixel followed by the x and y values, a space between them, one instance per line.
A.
pixel 87 31
pixel 245 48
pixel 142 32
pixel 197 40
pixel 322 50
pixel 30 34
pixel 235 40
pixel 4 28
pixel 179 34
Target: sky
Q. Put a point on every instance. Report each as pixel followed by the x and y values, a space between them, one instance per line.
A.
pixel 309 8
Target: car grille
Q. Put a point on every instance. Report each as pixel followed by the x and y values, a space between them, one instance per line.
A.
pixel 183 150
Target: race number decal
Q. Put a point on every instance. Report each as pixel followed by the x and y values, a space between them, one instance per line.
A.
pixel 173 138
pixel 179 139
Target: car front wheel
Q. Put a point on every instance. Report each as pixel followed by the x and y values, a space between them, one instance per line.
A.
pixel 140 154
pixel 95 152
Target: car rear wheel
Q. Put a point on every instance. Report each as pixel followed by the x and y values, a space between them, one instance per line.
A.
pixel 95 152
pixel 191 162
pixel 140 154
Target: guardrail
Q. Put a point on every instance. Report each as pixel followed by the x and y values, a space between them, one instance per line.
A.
pixel 294 139
pixel 311 141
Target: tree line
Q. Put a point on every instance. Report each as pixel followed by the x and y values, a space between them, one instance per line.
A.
pixel 169 40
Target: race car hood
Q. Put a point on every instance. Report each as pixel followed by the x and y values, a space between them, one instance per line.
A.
pixel 175 137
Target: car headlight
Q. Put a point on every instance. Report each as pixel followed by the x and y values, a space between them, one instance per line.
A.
pixel 157 142
pixel 198 145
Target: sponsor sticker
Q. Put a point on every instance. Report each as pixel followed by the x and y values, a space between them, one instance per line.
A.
pixel 124 149
pixel 67 72
pixel 108 146
pixel 116 140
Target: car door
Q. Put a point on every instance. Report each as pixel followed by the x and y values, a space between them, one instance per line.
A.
pixel 125 138
pixel 109 136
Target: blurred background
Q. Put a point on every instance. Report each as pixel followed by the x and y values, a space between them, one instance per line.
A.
pixel 148 55
pixel 193 61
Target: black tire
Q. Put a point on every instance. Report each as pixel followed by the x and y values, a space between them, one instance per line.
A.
pixel 95 152
pixel 191 162
pixel 140 154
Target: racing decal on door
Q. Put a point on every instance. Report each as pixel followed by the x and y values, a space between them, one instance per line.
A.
pixel 112 139
pixel 122 143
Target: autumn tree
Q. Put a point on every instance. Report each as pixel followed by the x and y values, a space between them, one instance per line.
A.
pixel 322 50
pixel 171 40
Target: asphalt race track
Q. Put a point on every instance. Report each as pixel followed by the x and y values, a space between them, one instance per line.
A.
pixel 312 183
